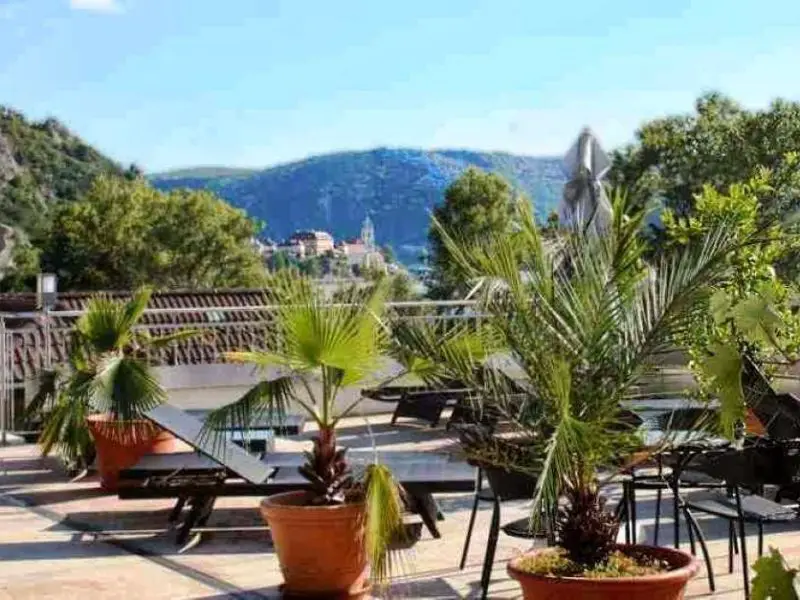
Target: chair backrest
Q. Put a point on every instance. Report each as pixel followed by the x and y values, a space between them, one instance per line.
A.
pixel 510 484
pixel 764 463
pixel 778 413
pixel 229 455
pixel 483 446
pixel 686 419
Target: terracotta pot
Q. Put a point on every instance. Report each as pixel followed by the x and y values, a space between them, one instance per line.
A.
pixel 663 586
pixel 753 425
pixel 119 444
pixel 166 443
pixel 320 548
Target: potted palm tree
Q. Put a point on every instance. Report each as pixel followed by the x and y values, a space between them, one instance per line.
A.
pixel 335 537
pixel 97 403
pixel 583 318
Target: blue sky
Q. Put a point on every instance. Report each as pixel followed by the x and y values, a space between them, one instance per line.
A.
pixel 169 83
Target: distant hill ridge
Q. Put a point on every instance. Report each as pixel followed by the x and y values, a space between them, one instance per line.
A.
pixel 397 187
pixel 43 162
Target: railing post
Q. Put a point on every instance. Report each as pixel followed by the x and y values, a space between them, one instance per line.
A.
pixel 48 342
pixel 4 362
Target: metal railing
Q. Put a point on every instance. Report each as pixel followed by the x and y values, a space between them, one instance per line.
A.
pixel 27 351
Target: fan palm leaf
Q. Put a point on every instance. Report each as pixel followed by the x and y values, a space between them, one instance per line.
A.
pixel 316 349
pixel 106 372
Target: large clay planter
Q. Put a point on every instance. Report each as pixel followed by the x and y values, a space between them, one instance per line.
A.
pixel 663 586
pixel 320 548
pixel 120 444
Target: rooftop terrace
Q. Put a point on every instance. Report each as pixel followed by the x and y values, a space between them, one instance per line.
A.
pixel 71 540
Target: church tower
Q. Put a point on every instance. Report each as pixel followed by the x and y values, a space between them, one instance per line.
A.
pixel 368 234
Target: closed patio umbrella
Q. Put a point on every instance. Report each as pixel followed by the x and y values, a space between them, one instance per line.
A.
pixel 585 203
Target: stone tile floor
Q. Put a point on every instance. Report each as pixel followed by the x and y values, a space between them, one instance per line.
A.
pixel 44 554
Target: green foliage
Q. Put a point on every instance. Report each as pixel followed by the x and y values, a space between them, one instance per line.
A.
pixel 773 580
pixel 720 145
pixel 123 234
pixel 48 164
pixel 20 275
pixel 388 254
pixel 477 205
pixel 583 319
pixel 321 348
pixel 107 373
pixel 556 563
pixel 751 314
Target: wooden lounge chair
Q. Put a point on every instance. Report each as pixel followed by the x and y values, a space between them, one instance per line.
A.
pixel 779 413
pixel 287 425
pixel 225 469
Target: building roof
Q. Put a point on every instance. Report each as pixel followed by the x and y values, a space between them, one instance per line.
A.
pixel 311 235
pixel 221 317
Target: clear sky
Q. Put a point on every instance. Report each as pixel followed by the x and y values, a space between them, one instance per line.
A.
pixel 169 83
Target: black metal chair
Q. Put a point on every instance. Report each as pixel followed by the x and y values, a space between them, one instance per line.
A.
pixel 507 486
pixel 655 475
pixel 503 485
pixel 418 402
pixel 746 471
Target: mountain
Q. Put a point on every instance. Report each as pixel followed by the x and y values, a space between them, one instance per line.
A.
pixel 42 162
pixel 397 187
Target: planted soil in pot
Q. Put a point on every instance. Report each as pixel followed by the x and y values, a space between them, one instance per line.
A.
pixel 119 444
pixel 668 584
pixel 320 548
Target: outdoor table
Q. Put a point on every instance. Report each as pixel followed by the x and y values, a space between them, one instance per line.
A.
pixel 683 446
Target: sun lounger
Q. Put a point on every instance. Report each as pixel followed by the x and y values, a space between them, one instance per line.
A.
pixel 225 469
pixel 288 424
pixel 197 481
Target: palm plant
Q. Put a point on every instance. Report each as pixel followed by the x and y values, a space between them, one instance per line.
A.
pixel 319 348
pixel 107 372
pixel 583 318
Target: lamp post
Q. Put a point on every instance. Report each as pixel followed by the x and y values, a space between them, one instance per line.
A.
pixel 46 295
pixel 46 290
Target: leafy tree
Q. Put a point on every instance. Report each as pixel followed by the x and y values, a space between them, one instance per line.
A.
pixel 21 204
pixel 476 205
pixel 311 267
pixel 751 315
pixel 24 265
pixel 123 234
pixel 388 254
pixel 721 144
pixel 279 261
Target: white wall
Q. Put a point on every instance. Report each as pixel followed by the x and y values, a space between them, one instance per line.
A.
pixel 212 386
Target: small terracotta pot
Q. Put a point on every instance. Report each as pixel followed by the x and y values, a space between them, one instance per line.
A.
pixel 663 586
pixel 120 444
pixel 166 443
pixel 320 548
pixel 753 425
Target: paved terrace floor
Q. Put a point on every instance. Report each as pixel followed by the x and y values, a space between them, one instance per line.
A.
pixel 45 551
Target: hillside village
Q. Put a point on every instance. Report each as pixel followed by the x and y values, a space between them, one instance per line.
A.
pixel 345 257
